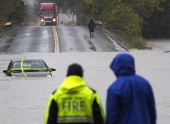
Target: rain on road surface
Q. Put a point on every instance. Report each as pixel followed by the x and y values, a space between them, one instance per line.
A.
pixel 23 100
pixel 69 38
pixel 33 39
pixel 76 39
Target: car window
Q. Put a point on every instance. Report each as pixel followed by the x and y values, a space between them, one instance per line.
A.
pixel 38 64
pixel 47 12
pixel 28 64
pixel 17 65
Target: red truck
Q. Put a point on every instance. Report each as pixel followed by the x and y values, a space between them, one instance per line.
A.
pixel 48 14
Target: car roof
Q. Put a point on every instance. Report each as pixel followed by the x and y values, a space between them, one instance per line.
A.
pixel 26 59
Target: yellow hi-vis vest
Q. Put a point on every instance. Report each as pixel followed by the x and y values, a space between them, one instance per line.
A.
pixel 74 108
pixel 74 101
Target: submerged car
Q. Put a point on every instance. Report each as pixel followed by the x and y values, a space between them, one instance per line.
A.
pixel 28 68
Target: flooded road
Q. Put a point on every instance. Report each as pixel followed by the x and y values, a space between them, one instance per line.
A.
pixel 23 100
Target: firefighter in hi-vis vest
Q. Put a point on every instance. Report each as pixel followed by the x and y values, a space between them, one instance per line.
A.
pixel 74 102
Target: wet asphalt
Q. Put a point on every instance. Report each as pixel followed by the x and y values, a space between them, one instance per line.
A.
pixel 69 38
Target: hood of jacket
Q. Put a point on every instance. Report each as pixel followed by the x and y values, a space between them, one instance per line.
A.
pixel 123 64
pixel 72 84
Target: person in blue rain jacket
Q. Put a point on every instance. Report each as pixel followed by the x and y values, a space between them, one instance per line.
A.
pixel 130 99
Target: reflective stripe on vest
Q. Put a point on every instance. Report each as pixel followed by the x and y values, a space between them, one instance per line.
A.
pixel 74 119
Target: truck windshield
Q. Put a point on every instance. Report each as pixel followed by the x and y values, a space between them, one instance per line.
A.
pixel 47 12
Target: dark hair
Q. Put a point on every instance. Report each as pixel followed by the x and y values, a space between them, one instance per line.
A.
pixel 75 69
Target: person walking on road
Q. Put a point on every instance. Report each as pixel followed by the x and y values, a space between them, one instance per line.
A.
pixel 130 99
pixel 91 26
pixel 74 102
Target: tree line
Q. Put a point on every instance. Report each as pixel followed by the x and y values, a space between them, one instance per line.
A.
pixel 12 10
pixel 147 18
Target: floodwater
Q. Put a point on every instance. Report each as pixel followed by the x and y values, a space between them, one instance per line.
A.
pixel 23 100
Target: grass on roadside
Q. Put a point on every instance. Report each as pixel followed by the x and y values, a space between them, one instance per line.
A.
pixel 137 42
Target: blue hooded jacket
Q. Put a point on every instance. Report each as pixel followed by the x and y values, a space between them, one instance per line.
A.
pixel 130 99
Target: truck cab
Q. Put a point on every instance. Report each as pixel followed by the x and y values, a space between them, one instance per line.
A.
pixel 48 14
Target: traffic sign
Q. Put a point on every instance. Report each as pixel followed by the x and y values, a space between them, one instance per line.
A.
pixel 104 23
pixel 3 24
